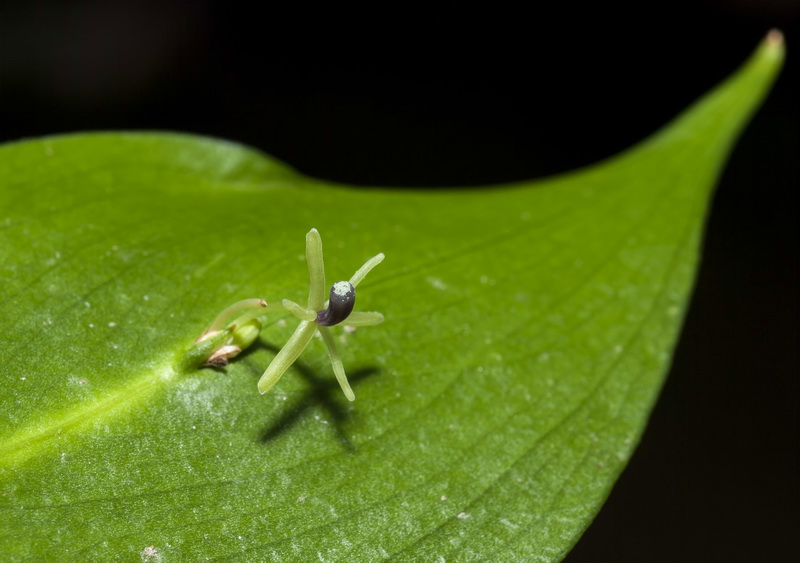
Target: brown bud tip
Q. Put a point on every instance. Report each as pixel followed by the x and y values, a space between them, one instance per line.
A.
pixel 774 37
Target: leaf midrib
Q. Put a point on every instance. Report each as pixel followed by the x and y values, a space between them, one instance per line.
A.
pixel 29 441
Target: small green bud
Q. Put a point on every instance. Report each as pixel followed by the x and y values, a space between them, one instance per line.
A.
pixel 245 335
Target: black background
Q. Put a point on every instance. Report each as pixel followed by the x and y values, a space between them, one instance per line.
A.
pixel 446 95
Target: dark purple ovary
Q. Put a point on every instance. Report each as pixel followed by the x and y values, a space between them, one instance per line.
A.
pixel 342 301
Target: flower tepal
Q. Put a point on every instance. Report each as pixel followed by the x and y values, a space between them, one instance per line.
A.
pixel 318 315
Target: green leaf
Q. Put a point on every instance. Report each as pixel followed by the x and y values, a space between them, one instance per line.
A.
pixel 528 330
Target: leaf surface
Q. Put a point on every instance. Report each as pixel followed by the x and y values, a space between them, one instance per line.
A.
pixel 528 331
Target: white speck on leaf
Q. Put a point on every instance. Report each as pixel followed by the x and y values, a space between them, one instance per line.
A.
pixel 509 524
pixel 150 553
pixel 463 515
pixel 437 283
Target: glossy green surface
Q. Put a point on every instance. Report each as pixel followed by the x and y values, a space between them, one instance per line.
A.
pixel 528 331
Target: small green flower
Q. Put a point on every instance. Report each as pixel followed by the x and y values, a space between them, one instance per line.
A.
pixel 317 316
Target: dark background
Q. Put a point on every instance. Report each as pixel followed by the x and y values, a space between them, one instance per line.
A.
pixel 450 96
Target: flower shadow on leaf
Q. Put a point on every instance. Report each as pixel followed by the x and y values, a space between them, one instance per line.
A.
pixel 323 391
